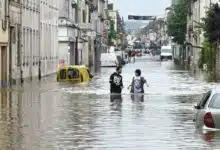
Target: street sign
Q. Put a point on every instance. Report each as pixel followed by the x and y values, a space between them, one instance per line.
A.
pixel 106 24
pixel 134 17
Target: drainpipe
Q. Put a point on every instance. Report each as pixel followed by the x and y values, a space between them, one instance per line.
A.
pixel 20 46
pixel 6 15
pixel 39 42
pixel 77 33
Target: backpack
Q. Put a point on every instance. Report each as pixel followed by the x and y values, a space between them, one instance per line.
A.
pixel 137 83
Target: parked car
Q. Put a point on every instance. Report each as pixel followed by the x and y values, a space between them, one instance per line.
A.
pixel 109 60
pixel 208 111
pixel 147 51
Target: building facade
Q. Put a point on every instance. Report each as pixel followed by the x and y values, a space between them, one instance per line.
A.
pixel 84 23
pixel 4 57
pixel 15 41
pixel 67 31
pixel 195 38
pixel 98 38
pixel 49 14
pixel 39 55
pixel 30 38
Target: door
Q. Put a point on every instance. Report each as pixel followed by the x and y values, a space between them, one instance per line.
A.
pixel 4 66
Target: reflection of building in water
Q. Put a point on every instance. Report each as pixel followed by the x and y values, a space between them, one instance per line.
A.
pixel 3 95
pixel 10 120
pixel 81 117
pixel 4 118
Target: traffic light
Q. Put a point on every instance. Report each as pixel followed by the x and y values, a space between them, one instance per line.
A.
pixel 133 17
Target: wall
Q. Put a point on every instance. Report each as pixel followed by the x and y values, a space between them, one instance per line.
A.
pixel 15 30
pixel 63 52
pixel 3 33
pixel 49 36
pixel 66 35
pixel 30 38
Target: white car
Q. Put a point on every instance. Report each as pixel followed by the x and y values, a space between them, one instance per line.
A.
pixel 109 60
pixel 207 115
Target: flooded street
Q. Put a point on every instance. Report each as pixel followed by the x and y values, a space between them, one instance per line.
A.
pixel 54 116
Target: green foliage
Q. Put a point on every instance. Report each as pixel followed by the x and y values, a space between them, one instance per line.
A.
pixel 205 56
pixel 210 24
pixel 112 34
pixel 176 22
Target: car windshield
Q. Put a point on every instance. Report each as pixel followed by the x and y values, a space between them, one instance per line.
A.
pixel 166 50
pixel 215 102
pixel 73 73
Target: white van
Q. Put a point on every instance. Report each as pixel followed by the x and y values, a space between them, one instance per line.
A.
pixel 109 60
pixel 166 53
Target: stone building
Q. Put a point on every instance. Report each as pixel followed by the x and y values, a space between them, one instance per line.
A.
pixel 4 55
pixel 15 41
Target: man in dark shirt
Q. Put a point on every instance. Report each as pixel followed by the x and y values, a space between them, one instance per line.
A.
pixel 116 83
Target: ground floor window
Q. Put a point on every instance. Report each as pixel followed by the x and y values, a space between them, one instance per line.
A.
pixel 63 74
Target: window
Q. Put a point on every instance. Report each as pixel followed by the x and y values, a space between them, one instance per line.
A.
pixel 204 99
pixel 84 16
pixel 63 74
pixel 215 102
pixel 73 73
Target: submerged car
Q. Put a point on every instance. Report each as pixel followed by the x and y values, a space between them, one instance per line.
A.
pixel 207 115
pixel 74 74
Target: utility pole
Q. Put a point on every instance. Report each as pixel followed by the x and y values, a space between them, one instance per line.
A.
pixel 77 33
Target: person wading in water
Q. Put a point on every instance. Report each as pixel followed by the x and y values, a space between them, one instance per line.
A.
pixel 137 86
pixel 116 84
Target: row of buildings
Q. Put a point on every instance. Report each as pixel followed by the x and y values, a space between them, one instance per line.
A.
pixel 194 39
pixel 36 35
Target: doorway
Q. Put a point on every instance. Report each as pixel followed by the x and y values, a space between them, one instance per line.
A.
pixel 4 66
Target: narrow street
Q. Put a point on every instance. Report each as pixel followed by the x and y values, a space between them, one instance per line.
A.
pixel 50 115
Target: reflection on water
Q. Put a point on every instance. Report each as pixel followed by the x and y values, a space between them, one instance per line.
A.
pixel 49 115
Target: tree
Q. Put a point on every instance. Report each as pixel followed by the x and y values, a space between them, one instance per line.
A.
pixel 112 35
pixel 211 23
pixel 210 27
pixel 176 22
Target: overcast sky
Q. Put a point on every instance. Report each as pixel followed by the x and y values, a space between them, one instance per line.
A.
pixel 141 7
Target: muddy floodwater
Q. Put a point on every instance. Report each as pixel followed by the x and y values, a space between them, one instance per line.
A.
pixel 54 116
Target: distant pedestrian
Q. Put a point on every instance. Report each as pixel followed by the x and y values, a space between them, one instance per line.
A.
pixel 137 86
pixel 129 56
pixel 133 54
pixel 116 84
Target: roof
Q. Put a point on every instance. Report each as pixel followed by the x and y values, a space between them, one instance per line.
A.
pixel 73 66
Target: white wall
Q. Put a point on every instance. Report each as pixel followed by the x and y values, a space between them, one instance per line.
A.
pixel 31 35
pixel 49 36
pixel 66 34
pixel 63 52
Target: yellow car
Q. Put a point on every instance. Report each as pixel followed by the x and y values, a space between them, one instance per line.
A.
pixel 74 74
